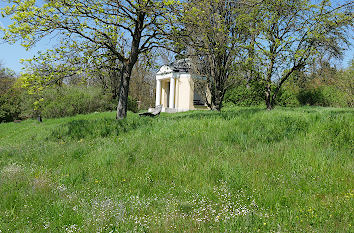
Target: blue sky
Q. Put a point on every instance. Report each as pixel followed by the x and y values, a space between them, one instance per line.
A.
pixel 10 55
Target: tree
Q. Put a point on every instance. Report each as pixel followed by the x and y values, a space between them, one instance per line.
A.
pixel 125 28
pixel 212 34
pixel 69 64
pixel 143 84
pixel 9 95
pixel 346 83
pixel 7 79
pixel 293 32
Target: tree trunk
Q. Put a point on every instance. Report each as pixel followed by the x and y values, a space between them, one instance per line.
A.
pixel 268 88
pixel 216 102
pixel 216 106
pixel 123 93
pixel 115 85
pixel 251 55
pixel 268 98
pixel 128 67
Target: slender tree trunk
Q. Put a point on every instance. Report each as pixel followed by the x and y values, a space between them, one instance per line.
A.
pixel 251 55
pixel 268 98
pixel 123 93
pixel 268 88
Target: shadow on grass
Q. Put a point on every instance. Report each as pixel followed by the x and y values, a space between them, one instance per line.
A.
pixel 96 128
pixel 265 129
pixel 318 109
pixel 226 115
pixel 106 127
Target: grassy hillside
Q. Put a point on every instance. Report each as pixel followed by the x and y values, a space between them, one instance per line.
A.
pixel 244 170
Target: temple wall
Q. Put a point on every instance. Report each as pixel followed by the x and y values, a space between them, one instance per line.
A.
pixel 185 93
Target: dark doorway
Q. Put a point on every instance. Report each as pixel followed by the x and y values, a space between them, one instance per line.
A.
pixel 168 94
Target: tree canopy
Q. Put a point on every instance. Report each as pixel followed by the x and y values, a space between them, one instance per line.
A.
pixel 292 32
pixel 212 34
pixel 125 28
pixel 266 41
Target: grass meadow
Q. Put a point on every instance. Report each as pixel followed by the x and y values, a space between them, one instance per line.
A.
pixel 239 170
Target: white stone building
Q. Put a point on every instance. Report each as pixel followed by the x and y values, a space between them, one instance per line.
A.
pixel 175 88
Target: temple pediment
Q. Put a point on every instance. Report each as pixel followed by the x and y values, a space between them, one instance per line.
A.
pixel 179 66
pixel 165 70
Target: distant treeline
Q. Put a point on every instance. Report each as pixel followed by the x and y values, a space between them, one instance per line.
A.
pixel 326 86
pixel 16 103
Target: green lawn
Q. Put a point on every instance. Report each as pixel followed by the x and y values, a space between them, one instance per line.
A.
pixel 243 170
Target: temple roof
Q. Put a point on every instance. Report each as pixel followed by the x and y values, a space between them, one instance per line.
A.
pixel 179 66
pixel 182 65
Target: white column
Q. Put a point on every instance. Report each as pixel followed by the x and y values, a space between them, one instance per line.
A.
pixel 158 92
pixel 172 93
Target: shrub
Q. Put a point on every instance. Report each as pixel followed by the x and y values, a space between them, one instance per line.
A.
pixel 243 95
pixel 132 104
pixel 9 97
pixel 287 96
pixel 322 96
pixel 69 101
pixel 334 96
pixel 10 105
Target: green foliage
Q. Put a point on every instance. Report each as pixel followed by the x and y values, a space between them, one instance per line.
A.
pixel 68 101
pixel 74 100
pixel 57 102
pixel 206 31
pixel 325 86
pixel 9 97
pixel 96 33
pixel 133 104
pixel 325 96
pixel 290 34
pixel 345 84
pixel 10 105
pixel 243 95
pixel 288 97
pixel 312 97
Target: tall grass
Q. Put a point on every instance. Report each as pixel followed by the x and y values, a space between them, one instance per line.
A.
pixel 243 170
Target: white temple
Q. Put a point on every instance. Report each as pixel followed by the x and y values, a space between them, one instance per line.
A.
pixel 175 88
